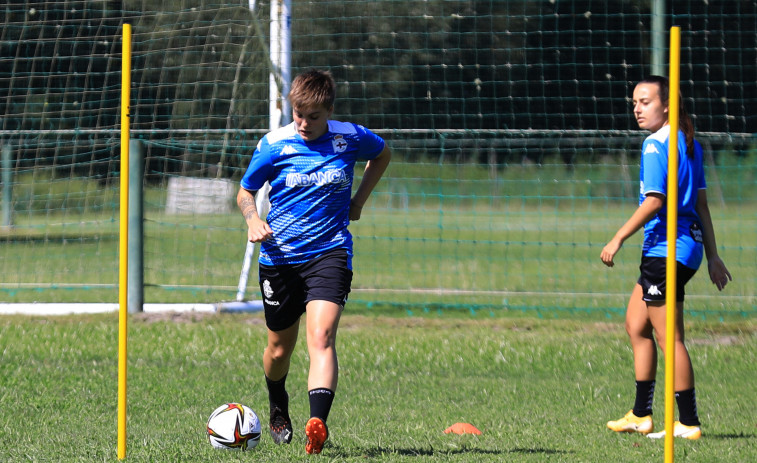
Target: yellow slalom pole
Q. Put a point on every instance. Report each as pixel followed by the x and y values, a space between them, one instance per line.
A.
pixel 670 264
pixel 123 244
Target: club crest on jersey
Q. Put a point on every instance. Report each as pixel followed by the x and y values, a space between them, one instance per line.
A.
pixel 316 178
pixel 339 144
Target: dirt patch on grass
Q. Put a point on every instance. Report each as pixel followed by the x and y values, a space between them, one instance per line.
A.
pixel 197 317
pixel 176 317
pixel 717 341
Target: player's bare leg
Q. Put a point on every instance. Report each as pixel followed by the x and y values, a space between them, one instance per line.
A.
pixel 684 374
pixel 276 360
pixel 322 323
pixel 640 332
pixel 688 425
pixel 279 350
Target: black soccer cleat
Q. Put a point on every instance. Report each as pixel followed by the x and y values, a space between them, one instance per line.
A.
pixel 280 425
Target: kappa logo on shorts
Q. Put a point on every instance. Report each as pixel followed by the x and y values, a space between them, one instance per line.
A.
pixel 267 290
pixel 653 291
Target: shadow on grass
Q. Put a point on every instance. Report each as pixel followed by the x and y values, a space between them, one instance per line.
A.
pixel 373 452
pixel 539 450
pixel 740 435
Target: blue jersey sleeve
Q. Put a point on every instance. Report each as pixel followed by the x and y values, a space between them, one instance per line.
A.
pixel 371 145
pixel 654 167
pixel 701 182
pixel 260 169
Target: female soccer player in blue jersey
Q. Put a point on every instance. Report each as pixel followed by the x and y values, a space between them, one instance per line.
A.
pixel 645 314
pixel 305 247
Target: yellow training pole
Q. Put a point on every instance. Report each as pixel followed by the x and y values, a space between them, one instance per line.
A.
pixel 123 246
pixel 670 264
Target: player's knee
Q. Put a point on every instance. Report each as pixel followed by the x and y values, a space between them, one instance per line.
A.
pixel 634 329
pixel 321 338
pixel 278 352
pixel 638 331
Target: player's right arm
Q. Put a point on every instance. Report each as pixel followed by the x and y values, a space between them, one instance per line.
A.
pixel 254 178
pixel 257 229
pixel 645 212
pixel 654 167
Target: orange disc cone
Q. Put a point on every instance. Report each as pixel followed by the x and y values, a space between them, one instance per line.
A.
pixel 462 428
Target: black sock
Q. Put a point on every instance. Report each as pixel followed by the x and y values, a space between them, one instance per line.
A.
pixel 320 402
pixel 277 394
pixel 687 407
pixel 644 398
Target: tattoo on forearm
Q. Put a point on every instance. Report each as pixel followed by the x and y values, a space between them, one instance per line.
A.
pixel 247 206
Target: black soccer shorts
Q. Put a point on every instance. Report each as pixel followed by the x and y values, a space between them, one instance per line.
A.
pixel 652 279
pixel 287 289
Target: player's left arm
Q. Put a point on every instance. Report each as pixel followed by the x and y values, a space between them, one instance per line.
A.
pixel 374 170
pixel 719 274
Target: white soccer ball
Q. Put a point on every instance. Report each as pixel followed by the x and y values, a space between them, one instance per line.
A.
pixel 233 426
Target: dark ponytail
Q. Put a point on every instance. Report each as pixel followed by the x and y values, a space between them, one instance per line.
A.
pixel 684 121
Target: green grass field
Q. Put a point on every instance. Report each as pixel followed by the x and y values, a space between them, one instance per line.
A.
pixel 540 390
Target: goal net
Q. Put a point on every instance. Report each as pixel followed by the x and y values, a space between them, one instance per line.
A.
pixel 515 152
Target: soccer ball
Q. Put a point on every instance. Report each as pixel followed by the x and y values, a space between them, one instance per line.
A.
pixel 233 426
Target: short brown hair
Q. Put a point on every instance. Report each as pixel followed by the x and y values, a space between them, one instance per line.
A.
pixel 313 87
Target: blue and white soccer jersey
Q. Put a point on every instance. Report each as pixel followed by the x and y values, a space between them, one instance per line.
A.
pixel 654 179
pixel 311 187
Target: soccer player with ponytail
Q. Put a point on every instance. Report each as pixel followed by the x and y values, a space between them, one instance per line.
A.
pixel 646 311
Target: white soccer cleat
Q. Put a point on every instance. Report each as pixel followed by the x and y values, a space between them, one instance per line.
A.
pixel 680 430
